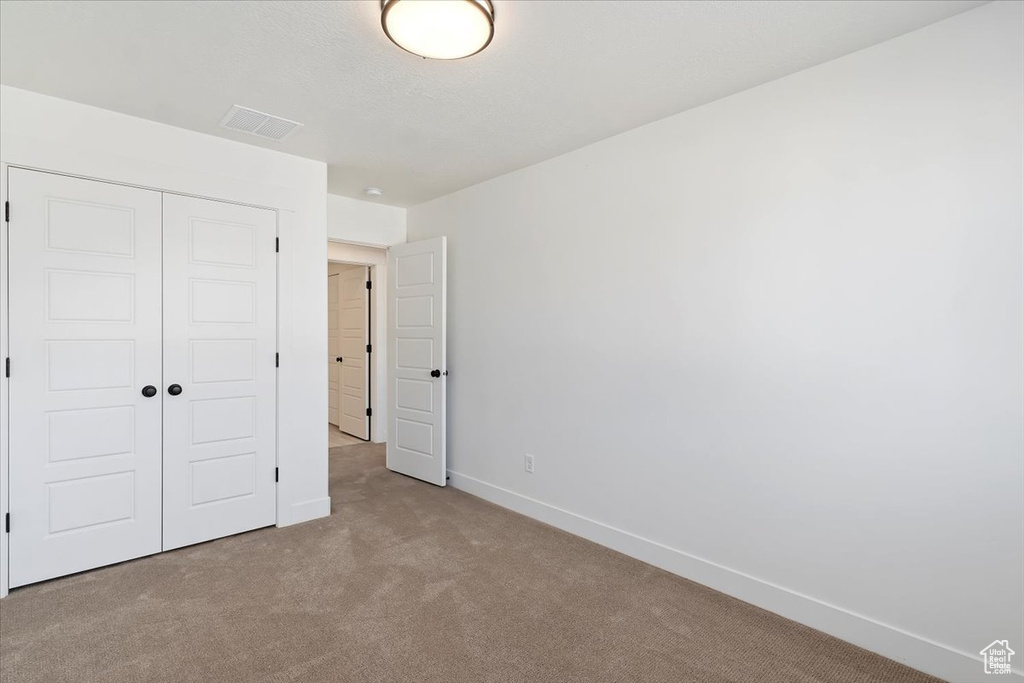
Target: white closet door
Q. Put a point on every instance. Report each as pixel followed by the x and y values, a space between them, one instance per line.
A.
pixel 220 310
pixel 85 317
pixel 355 366
pixel 417 310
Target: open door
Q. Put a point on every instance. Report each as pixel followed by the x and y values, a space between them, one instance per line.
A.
pixel 417 375
pixel 353 356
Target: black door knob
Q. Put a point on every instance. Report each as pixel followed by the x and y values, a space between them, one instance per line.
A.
pixel 435 373
pixel 338 359
pixel 149 391
pixel 174 389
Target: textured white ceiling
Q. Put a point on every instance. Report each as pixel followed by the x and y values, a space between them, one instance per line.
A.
pixel 559 75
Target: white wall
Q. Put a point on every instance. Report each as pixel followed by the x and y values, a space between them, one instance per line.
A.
pixel 52 134
pixel 773 343
pixel 363 222
pixel 377 259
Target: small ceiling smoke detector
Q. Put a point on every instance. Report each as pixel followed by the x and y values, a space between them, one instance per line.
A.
pixel 257 123
pixel 372 191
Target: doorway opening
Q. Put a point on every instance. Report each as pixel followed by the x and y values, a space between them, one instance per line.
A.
pixel 349 352
pixel 354 355
pixel 406 369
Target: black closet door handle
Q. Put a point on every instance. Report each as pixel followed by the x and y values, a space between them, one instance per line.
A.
pixel 149 391
pixel 435 373
pixel 338 359
pixel 174 389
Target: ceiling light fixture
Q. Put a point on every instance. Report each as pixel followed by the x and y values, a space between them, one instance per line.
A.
pixel 438 29
pixel 372 191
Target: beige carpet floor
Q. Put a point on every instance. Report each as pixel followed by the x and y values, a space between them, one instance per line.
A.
pixel 407 582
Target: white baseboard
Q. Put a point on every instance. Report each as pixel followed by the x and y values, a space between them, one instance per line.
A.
pixel 307 510
pixel 912 650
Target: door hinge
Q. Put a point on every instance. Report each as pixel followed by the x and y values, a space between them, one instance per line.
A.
pixel 7 212
pixel 369 285
pixel 277 360
pixel 277 244
pixel 369 348
pixel 7 522
pixel 369 412
pixel 7 367
pixel 276 473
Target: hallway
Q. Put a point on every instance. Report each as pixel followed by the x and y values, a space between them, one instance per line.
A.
pixel 337 438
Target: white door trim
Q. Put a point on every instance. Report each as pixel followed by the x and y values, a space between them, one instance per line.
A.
pixel 4 394
pixel 141 187
pixel 378 330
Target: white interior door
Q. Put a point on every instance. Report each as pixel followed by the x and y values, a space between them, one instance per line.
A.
pixel 219 393
pixel 334 357
pixel 355 339
pixel 416 359
pixel 84 440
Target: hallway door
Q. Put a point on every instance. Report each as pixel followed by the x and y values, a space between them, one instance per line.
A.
pixel 354 332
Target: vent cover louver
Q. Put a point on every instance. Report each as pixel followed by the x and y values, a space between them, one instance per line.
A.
pixel 257 123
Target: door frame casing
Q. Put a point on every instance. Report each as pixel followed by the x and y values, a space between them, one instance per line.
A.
pixel 330 410
pixel 378 328
pixel 368 356
pixel 4 393
pixel 231 196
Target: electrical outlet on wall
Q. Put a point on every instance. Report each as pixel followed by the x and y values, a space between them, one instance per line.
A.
pixel 529 463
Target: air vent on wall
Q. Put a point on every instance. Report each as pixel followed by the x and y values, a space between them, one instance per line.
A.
pixel 257 123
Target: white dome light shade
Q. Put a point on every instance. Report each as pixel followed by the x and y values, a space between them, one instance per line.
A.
pixel 439 29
